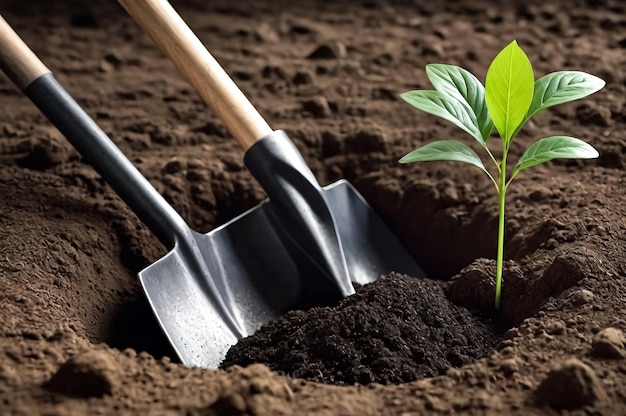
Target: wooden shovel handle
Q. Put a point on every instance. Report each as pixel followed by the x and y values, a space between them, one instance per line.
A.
pixel 168 30
pixel 17 60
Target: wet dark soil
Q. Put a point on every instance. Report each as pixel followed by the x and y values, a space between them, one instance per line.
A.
pixel 396 330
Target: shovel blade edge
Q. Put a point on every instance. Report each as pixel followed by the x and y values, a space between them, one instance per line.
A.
pixel 187 316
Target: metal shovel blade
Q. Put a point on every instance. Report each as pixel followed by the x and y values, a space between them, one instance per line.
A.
pixel 267 276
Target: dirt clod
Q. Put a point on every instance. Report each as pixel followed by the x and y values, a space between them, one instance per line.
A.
pixel 580 297
pixel 329 50
pixel 247 386
pixel 46 152
pixel 571 385
pixel 366 141
pixel 90 374
pixel 609 343
pixel 317 106
pixel 510 366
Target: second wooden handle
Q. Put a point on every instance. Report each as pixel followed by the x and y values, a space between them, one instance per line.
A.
pixel 168 30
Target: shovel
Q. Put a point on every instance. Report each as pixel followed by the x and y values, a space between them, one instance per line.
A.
pixel 305 246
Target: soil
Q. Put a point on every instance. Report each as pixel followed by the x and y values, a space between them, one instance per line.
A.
pixel 395 330
pixel 77 336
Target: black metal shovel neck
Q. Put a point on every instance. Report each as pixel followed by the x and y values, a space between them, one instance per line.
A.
pixel 298 205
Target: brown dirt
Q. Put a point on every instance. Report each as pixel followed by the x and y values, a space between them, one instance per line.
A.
pixel 76 336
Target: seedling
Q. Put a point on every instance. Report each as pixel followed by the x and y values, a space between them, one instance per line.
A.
pixel 510 97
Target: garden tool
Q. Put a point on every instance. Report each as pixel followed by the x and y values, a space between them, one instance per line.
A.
pixel 305 246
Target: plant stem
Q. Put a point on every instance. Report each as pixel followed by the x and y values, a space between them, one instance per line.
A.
pixel 500 257
pixel 495 162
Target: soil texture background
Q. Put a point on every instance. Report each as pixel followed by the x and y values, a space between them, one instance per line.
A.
pixel 77 336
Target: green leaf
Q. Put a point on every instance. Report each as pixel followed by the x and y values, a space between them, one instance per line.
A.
pixel 444 150
pixel 448 108
pixel 562 87
pixel 509 90
pixel 461 84
pixel 554 147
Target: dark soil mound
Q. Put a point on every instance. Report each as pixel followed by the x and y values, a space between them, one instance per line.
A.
pixel 395 330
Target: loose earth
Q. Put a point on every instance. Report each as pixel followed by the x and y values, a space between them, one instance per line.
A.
pixel 77 336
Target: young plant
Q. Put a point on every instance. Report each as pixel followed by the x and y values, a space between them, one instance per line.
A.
pixel 510 97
